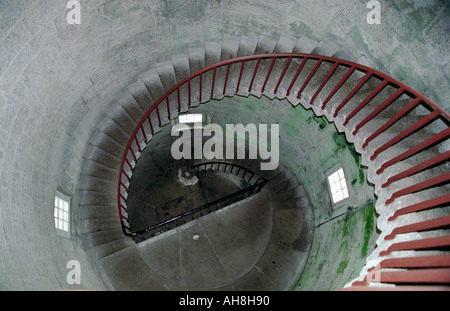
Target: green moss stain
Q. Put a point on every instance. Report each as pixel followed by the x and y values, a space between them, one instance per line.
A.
pixel 361 176
pixel 187 11
pixel 342 144
pixel 344 237
pixel 369 213
pixel 339 139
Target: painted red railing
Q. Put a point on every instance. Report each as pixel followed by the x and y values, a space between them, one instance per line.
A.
pixel 214 82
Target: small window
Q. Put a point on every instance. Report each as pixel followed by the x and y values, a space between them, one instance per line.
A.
pixel 191 118
pixel 337 185
pixel 62 215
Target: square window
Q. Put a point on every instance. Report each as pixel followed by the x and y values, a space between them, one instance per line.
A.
pixel 191 118
pixel 61 214
pixel 337 184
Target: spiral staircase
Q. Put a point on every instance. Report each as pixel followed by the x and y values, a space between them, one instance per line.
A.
pixel 401 135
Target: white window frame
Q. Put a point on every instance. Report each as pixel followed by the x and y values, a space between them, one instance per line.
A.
pixel 190 118
pixel 337 186
pixel 195 124
pixel 61 214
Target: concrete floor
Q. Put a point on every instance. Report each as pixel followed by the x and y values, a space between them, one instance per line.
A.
pixel 181 196
pixel 251 245
pixel 213 251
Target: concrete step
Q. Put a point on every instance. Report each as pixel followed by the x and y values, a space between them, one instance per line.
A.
pixel 399 167
pixel 93 239
pixel 167 74
pixel 87 211
pixel 103 250
pixel 121 117
pixel 323 49
pixel 213 52
pixel 126 270
pixel 114 131
pixel 247 46
pixel 155 87
pixel 106 143
pixel 91 197
pixel 417 178
pixel 196 63
pixel 88 182
pixel 95 169
pixel 284 45
pixel 181 67
pixel 101 156
pixel 98 224
pixel 304 45
pixel 131 106
pixel 140 94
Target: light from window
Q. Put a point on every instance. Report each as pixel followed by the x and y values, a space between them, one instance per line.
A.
pixel 61 214
pixel 191 118
pixel 338 186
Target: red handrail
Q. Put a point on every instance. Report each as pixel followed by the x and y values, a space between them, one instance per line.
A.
pixel 130 153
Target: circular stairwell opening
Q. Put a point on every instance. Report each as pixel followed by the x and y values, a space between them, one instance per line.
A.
pixel 256 241
pixel 309 146
pixel 282 258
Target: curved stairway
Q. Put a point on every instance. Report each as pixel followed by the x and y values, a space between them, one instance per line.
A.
pixel 259 243
pixel 390 125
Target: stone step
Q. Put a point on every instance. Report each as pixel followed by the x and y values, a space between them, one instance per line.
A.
pixel 87 211
pixel 131 106
pixel 126 270
pixel 154 85
pixel 97 238
pixel 98 224
pixel 121 117
pixel 106 143
pixel 114 131
pixel 92 168
pixel 88 182
pixel 140 94
pixel 101 156
pixel 196 63
pixel 103 250
pixel 91 197
pixel 304 45
pixel 284 45
pixel 247 46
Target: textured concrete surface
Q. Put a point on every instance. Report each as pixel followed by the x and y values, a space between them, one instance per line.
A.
pixel 245 246
pixel 231 241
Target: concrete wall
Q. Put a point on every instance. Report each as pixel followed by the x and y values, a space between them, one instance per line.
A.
pixel 57 80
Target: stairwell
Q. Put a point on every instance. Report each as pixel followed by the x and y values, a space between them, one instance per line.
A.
pixel 313 79
pixel 71 97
